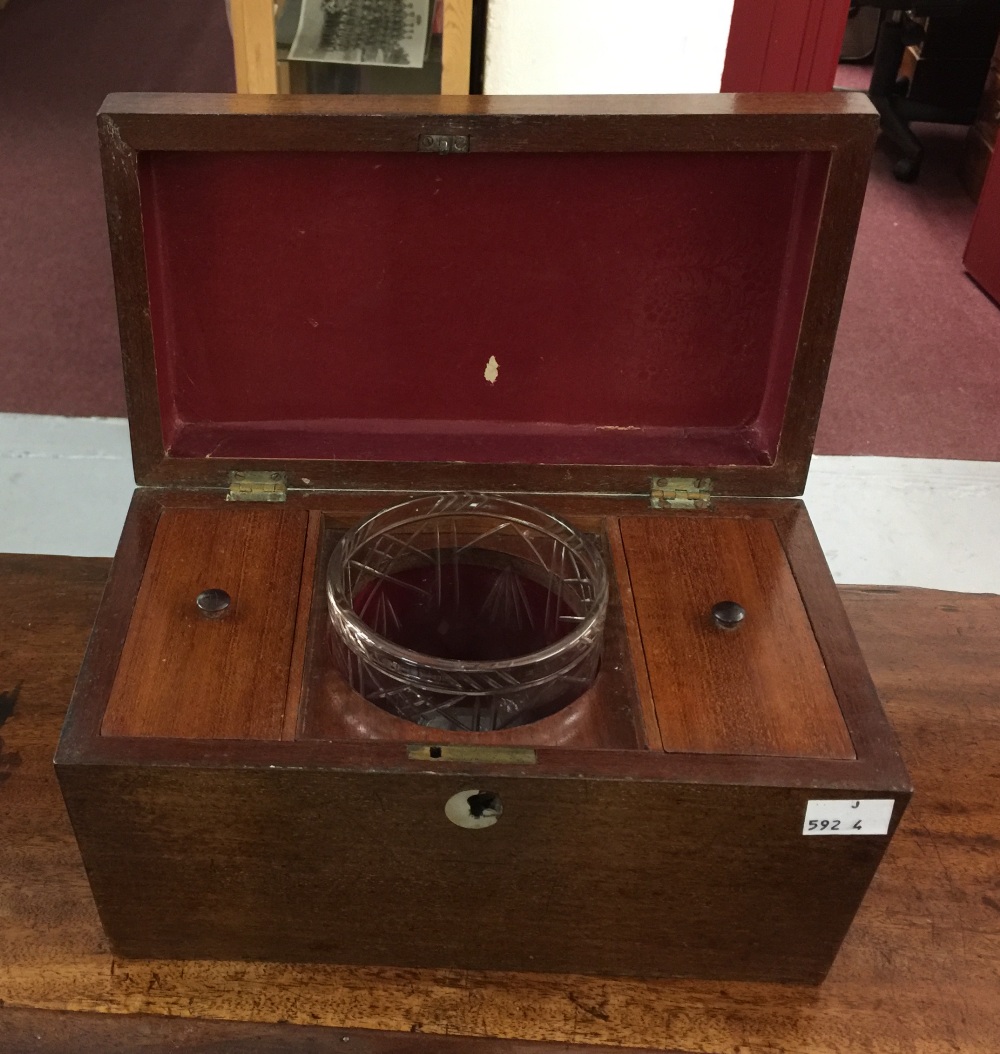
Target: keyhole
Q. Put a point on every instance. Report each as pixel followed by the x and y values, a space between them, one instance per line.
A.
pixel 474 809
pixel 484 803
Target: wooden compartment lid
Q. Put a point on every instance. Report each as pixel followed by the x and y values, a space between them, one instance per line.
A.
pixel 554 294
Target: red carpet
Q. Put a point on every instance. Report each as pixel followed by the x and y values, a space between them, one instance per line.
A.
pixel 915 372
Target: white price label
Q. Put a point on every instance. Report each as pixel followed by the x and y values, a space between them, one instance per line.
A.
pixel 848 816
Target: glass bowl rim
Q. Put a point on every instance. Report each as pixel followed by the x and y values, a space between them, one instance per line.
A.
pixel 481 504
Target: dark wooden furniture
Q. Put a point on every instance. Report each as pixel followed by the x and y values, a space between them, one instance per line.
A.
pixel 930 62
pixel 982 252
pixel 981 176
pixel 981 141
pixel 47 1032
pixel 311 290
pixel 919 969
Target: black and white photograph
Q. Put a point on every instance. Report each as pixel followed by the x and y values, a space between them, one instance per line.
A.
pixel 363 32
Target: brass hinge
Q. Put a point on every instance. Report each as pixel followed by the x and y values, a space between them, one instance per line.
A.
pixel 257 486
pixel 673 492
pixel 443 144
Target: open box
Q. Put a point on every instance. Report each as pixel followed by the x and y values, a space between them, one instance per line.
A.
pixel 619 309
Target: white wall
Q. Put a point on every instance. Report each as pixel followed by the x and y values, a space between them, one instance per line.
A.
pixel 551 47
pixel 67 482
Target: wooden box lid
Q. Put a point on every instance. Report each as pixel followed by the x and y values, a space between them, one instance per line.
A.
pixel 553 294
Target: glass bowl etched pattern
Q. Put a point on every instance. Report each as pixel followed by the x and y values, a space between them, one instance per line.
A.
pixel 467 612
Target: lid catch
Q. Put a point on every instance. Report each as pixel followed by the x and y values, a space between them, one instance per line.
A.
pixel 443 144
pixel 257 486
pixel 680 492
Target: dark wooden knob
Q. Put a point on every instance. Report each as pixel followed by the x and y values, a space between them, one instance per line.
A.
pixel 727 614
pixel 213 603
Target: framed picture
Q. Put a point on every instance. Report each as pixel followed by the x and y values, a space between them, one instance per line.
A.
pixel 359 46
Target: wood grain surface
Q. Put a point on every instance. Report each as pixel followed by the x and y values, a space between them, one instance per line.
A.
pixel 456 47
pixel 918 973
pixel 224 849
pixel 252 25
pixel 183 675
pixel 48 1032
pixel 878 767
pixel 759 689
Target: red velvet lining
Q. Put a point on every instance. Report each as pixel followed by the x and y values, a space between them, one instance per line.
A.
pixel 641 308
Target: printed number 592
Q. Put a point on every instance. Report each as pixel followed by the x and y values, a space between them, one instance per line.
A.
pixel 831 825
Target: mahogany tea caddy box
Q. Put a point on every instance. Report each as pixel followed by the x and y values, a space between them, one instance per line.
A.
pixel 620 309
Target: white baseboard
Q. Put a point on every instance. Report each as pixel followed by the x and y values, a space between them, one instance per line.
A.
pixel 908 521
pixel 67 483
pixel 889 521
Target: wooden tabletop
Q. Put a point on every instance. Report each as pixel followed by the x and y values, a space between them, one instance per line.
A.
pixel 918 973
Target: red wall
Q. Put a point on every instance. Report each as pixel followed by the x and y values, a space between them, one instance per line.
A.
pixel 784 45
pixel 982 254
